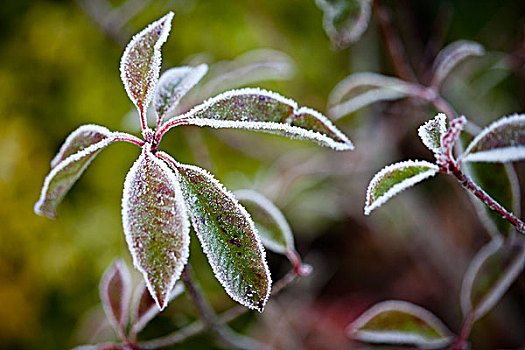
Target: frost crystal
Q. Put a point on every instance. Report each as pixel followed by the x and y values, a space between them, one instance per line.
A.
pixel 155 224
pixel 266 111
pixel 140 63
pixel 227 235
pixel 432 131
pixel 395 178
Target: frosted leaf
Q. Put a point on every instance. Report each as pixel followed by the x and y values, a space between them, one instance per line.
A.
pixel 273 229
pixel 82 137
pixel 489 276
pixel 265 111
pixel 227 234
pixel 400 322
pixel 345 21
pixel 432 131
pixel 173 85
pixel 155 224
pixel 451 56
pixel 64 175
pixel 501 141
pixel 395 178
pixel 144 308
pixel 250 67
pixel 115 293
pixel 140 62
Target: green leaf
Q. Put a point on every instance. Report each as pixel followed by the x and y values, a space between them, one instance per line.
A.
pixel 490 274
pixel 173 85
pixel 66 172
pixel 227 235
pixel 400 322
pixel 140 62
pixel 265 111
pixel 345 21
pixel 155 224
pixel 501 141
pixel 395 178
pixel 115 293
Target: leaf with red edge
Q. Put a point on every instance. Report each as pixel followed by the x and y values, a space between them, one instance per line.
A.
pixel 115 293
pixel 65 172
pixel 227 235
pixel 140 62
pixel 155 224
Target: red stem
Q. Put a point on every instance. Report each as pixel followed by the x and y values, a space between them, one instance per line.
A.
pixel 167 126
pixel 129 138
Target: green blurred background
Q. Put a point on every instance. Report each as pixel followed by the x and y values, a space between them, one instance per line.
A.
pixel 59 70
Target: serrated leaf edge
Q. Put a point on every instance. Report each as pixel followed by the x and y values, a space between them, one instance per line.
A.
pixel 275 213
pixel 399 187
pixel 497 155
pixel 204 246
pixel 72 158
pixel 398 337
pixel 185 220
pixel 344 145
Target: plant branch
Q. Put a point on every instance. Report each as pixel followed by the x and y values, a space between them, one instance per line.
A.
pixel 199 326
pixel 159 133
pixel 393 44
pixel 210 319
pixel 461 340
pixel 471 186
pixel 121 136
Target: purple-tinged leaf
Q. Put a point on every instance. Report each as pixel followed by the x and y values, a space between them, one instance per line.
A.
pixel 400 322
pixel 65 173
pixel 140 63
pixel 271 225
pixel 451 56
pixel 115 293
pixel 501 141
pixel 432 131
pixel 265 111
pixel 345 21
pixel 173 85
pixel 144 308
pixel 395 178
pixel 227 234
pixel 489 276
pixel 448 140
pixel 82 137
pixel 155 224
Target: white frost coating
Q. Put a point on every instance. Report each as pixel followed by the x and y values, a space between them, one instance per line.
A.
pixel 72 158
pixel 174 84
pixel 363 100
pixel 399 337
pixel 181 206
pixel 119 267
pixel 399 186
pixel 357 80
pixel 451 55
pixel 300 132
pixel 155 63
pixel 141 321
pixel 81 129
pixel 425 132
pixel 205 248
pixel 499 288
pixel 275 213
pixel 505 154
